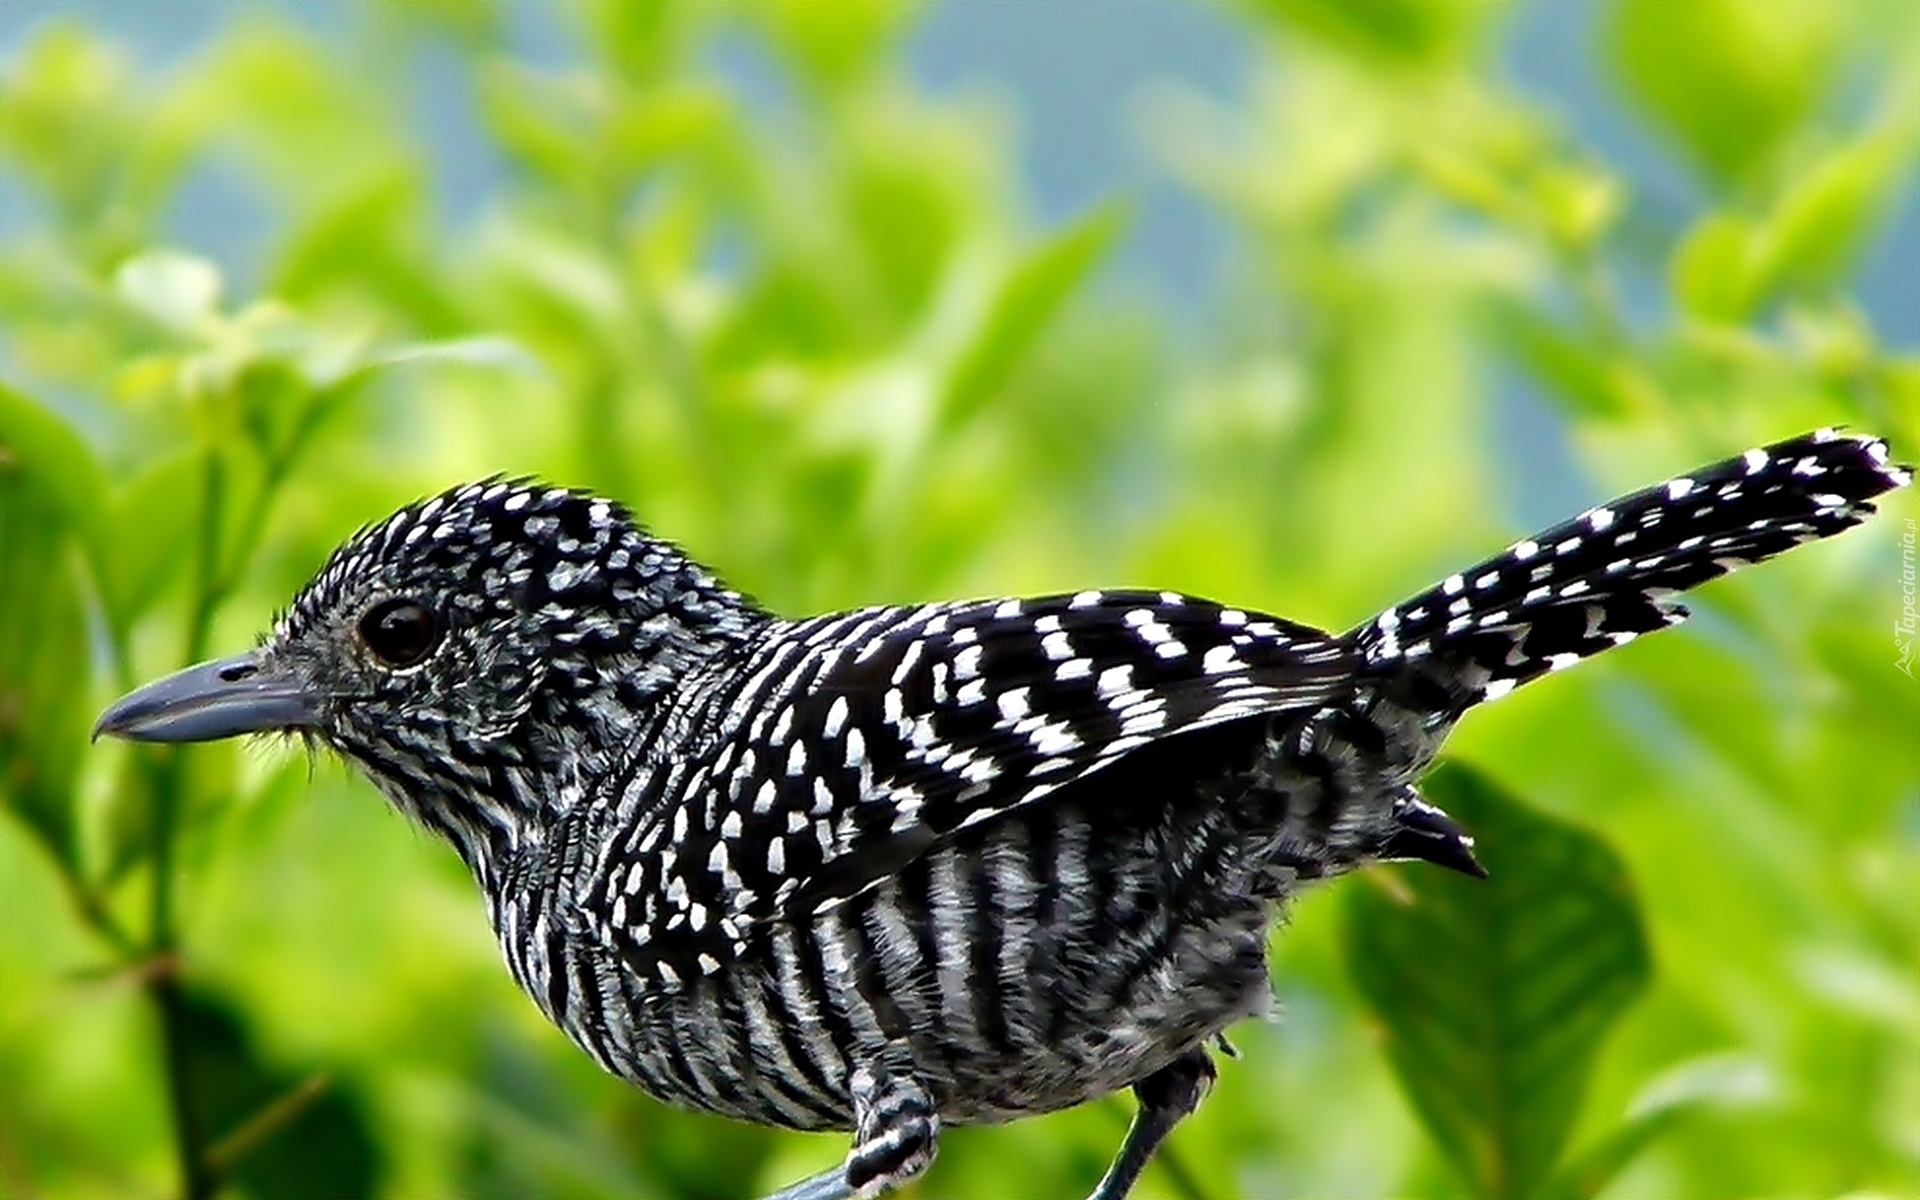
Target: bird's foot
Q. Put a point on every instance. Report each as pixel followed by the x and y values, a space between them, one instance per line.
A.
pixel 1167 1097
pixel 895 1131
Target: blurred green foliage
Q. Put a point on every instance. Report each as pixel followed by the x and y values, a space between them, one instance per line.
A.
pixel 822 342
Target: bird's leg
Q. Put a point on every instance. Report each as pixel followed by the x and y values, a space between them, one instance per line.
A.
pixel 894 1129
pixel 1166 1098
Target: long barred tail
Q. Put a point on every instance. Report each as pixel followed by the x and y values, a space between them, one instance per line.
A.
pixel 1612 573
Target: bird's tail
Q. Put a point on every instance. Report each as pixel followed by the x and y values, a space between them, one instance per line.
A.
pixel 1611 573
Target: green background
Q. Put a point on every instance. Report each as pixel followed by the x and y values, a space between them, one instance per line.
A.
pixel 809 320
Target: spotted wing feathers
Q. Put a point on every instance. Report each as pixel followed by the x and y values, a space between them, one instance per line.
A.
pixel 853 743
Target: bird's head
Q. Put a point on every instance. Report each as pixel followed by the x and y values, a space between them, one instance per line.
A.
pixel 480 655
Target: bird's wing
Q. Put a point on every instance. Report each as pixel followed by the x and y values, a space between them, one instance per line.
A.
pixel 849 745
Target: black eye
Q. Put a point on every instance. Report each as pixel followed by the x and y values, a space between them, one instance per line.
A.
pixel 399 632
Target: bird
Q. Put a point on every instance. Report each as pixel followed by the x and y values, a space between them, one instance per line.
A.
pixel 900 868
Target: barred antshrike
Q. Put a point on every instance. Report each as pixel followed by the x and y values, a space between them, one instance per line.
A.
pixel 896 868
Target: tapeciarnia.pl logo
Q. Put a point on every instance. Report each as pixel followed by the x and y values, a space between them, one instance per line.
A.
pixel 1904 628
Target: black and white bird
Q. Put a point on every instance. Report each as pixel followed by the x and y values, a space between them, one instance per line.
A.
pixel 899 868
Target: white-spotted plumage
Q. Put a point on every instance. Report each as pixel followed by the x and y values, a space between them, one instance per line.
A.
pixel 1613 572
pixel 899 866
pixel 1051 685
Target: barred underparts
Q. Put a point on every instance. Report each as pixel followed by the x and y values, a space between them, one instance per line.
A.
pixel 899 867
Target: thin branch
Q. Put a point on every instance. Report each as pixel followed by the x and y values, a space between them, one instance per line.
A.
pixel 94 914
pixel 13 1174
pixel 134 972
pixel 279 463
pixel 196 1181
pixel 1172 1165
pixel 262 1125
pixel 215 577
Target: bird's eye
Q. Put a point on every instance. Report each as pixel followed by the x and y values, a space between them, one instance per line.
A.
pixel 399 632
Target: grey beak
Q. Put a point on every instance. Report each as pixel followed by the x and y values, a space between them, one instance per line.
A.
pixel 216 699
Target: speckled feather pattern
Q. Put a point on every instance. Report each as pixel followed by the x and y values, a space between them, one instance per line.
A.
pixel 1014 853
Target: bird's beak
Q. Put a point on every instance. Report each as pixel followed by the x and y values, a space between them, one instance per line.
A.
pixel 216 699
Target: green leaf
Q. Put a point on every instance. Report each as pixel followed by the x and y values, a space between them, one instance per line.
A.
pixel 1717 1081
pixel 365 241
pixel 1493 995
pixel 909 224
pixel 43 663
pixel 1410 31
pixel 645 133
pixel 278 1132
pixel 1577 202
pixel 493 353
pixel 146 534
pixel 62 124
pixel 305 122
pixel 127 828
pixel 1712 273
pixel 1728 80
pixel 475 24
pixel 534 121
pixel 48 483
pixel 1820 222
pixel 523 1137
pixel 35 438
pixel 1028 298
pixel 638 40
pixel 1729 267
pixel 331 371
pixel 1577 373
pixel 833 44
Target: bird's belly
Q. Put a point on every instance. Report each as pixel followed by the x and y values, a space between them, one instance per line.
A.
pixel 1028 968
